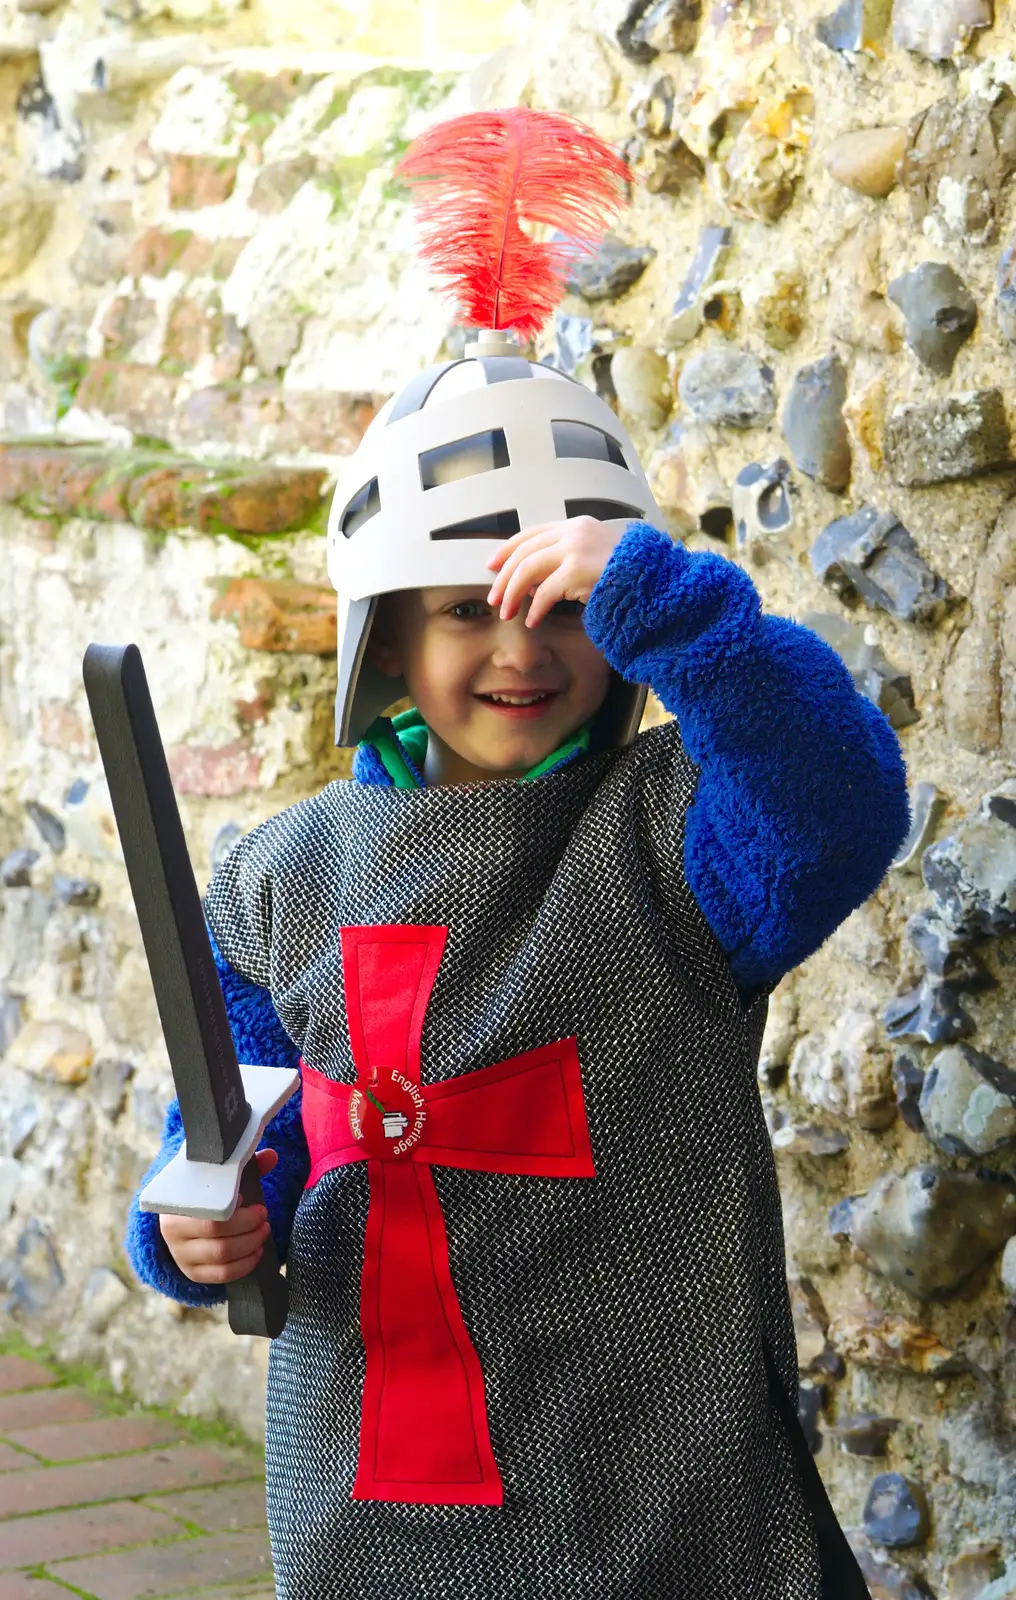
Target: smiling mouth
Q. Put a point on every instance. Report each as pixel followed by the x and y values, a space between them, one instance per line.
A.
pixel 520 705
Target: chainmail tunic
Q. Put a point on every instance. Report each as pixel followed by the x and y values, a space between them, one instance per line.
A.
pixel 620 1321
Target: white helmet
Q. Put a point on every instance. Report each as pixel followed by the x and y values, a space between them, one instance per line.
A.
pixel 469 453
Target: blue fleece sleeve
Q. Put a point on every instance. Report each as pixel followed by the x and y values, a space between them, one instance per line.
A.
pixel 261 1040
pixel 801 801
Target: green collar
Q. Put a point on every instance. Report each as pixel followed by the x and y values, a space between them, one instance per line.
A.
pixel 401 744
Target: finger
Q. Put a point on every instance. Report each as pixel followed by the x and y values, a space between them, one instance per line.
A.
pixel 219 1252
pixel 551 590
pixel 267 1160
pixel 226 1274
pixel 243 1220
pixel 536 541
pixel 528 575
pixel 503 551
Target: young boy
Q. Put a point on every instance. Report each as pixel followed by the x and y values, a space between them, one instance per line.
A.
pixel 539 1343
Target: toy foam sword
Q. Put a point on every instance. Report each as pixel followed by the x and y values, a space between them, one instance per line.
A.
pixel 224 1107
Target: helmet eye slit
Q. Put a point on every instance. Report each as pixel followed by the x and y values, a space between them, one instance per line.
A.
pixel 464 458
pixel 603 510
pixel 366 503
pixel 580 441
pixel 499 525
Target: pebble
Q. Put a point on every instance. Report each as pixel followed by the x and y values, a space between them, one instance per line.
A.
pixel 846 1070
pixel 968 1103
pixel 652 110
pixel 813 423
pixel 53 1050
pixel 940 314
pixel 76 891
pixel 763 504
pixel 1005 286
pixel 886 1579
pixel 961 153
pixel 811 1399
pixel 1004 1587
pixel 809 1139
pixel 16 869
pixel 688 312
pixel 33 1276
pixel 108 1085
pixel 867 160
pixel 1008 1269
pixel 926 807
pixel 729 387
pixel 777 299
pixel 225 838
pixel 811 1320
pixel 971 874
pixel 49 826
pixel 890 689
pixel 908 1081
pixel 642 383
pixel 609 271
pixel 939 29
pixel 887 1342
pixel 946 953
pixel 865 1434
pixel 971 1571
pixel 871 555
pixel 896 1512
pixel 102 1297
pixel 948 439
pixel 856 25
pixel 11 1009
pixel 931 1012
pixel 652 27
pixel 927 1230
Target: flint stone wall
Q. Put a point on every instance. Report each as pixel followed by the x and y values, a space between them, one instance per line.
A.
pixel 807 320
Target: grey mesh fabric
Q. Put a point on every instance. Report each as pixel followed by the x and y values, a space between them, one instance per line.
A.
pixel 621 1322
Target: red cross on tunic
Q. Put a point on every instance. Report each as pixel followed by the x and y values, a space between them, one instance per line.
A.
pixel 424 1437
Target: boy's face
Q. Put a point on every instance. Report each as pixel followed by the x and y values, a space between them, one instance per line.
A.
pixel 498 696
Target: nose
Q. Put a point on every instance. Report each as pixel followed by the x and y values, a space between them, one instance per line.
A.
pixel 518 648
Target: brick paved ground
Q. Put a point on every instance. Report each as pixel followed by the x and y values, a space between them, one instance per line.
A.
pixel 115 1507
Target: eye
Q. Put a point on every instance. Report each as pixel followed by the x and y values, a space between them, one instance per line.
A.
pixel 568 608
pixel 468 610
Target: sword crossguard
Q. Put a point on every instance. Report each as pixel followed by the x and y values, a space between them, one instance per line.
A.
pixel 207 1189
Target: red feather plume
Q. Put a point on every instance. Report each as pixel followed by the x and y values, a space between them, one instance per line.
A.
pixel 478 178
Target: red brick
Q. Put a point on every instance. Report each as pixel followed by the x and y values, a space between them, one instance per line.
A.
pixel 12 1460
pixel 37 1409
pixel 277 614
pixel 263 502
pixel 210 258
pixel 157 499
pixel 198 181
pixel 58 1535
pixel 15 1586
pixel 169 1569
pixel 276 421
pixel 156 252
pixel 17 1373
pixel 183 1467
pixel 213 772
pixel 225 1510
pixel 62 728
pixel 140 398
pixel 106 1437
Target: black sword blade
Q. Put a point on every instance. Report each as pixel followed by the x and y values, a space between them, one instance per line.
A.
pixel 213 1106
pixel 209 1085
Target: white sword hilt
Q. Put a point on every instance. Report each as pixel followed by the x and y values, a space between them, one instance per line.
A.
pixel 208 1189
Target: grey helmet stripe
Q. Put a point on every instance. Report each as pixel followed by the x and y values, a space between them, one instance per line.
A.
pixel 502 369
pixel 417 391
pixel 496 369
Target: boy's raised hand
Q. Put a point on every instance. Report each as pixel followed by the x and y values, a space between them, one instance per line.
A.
pixel 553 561
pixel 220 1252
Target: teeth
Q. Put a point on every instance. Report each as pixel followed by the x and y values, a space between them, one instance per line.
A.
pixel 517 699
